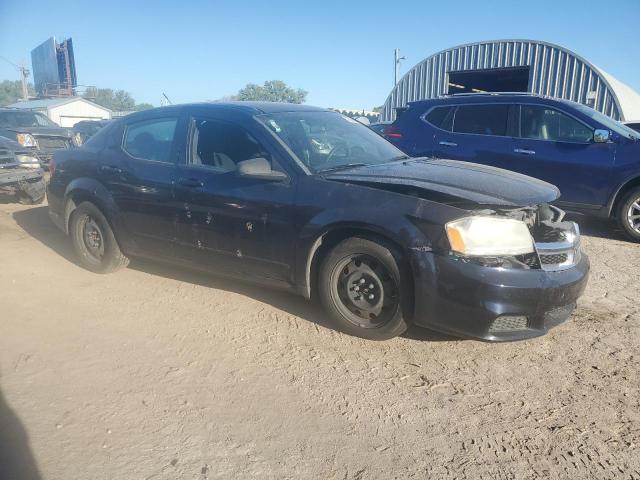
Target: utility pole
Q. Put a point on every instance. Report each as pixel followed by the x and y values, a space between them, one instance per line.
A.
pixel 24 74
pixel 396 65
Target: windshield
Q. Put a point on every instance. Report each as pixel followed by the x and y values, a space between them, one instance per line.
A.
pixel 24 119
pixel 329 141
pixel 608 122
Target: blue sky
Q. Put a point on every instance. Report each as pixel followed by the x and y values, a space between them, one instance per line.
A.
pixel 341 52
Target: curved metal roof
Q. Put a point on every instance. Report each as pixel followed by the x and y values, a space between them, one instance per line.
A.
pixel 554 71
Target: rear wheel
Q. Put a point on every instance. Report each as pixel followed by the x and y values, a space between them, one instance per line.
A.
pixel 629 214
pixel 93 240
pixel 359 286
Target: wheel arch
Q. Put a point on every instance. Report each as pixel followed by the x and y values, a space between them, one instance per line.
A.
pixel 334 234
pixel 90 190
pixel 618 197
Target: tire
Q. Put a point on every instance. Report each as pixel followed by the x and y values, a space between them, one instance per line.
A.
pixel 358 264
pixel 629 214
pixel 93 240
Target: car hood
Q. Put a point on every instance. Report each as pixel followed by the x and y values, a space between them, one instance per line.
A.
pixel 46 131
pixel 452 182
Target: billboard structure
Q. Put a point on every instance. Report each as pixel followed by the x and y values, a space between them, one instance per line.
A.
pixel 54 68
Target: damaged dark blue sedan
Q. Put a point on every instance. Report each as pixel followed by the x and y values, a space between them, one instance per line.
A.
pixel 306 199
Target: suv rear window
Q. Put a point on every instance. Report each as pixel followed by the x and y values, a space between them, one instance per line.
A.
pixel 441 117
pixel 482 119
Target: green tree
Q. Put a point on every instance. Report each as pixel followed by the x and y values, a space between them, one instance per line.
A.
pixel 271 91
pixel 116 100
pixel 11 91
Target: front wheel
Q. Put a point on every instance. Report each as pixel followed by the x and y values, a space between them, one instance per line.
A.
pixel 359 286
pixel 93 240
pixel 629 214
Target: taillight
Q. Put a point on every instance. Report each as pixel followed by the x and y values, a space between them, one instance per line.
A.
pixel 52 168
pixel 391 131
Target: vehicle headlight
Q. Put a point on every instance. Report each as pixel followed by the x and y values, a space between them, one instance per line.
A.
pixel 27 160
pixel 489 236
pixel 77 139
pixel 26 140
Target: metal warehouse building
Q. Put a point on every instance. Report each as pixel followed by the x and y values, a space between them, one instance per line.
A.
pixel 515 66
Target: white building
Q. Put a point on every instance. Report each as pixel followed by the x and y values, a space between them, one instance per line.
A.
pixel 67 111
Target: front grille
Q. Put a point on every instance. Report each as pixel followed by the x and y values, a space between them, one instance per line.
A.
pixel 508 323
pixel 557 242
pixel 6 157
pixel 52 142
pixel 45 157
pixel 554 259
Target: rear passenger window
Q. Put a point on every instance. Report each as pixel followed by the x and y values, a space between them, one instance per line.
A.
pixel 482 119
pixel 544 123
pixel 441 117
pixel 151 139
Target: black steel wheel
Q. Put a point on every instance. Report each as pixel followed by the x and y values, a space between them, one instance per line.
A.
pixel 629 214
pixel 93 240
pixel 359 285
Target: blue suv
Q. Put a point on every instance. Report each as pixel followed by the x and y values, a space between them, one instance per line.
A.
pixel 593 159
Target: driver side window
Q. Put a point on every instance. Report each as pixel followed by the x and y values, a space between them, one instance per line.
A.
pixel 545 123
pixel 221 145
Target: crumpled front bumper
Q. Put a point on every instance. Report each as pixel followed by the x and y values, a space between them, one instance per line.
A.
pixel 494 304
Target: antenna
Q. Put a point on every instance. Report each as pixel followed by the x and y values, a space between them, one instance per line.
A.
pixel 165 100
pixel 24 74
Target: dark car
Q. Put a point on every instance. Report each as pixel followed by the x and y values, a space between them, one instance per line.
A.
pixel 593 159
pixel 18 176
pixel 308 200
pixel 86 129
pixel 35 132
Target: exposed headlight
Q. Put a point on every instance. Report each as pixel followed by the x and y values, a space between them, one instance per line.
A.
pixel 77 139
pixel 26 140
pixel 26 160
pixel 489 236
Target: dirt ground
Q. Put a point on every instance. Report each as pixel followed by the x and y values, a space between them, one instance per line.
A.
pixel 158 373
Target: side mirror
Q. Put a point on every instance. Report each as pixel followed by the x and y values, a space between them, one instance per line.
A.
pixel 259 168
pixel 601 135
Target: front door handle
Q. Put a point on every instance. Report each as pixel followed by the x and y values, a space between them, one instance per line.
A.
pixel 448 144
pixel 190 182
pixel 111 169
pixel 524 151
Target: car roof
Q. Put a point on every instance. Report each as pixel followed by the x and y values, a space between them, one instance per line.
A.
pixel 497 97
pixel 249 108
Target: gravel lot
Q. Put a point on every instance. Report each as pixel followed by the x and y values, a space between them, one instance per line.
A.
pixel 158 373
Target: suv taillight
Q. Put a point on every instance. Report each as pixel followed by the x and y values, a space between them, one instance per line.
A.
pixel 52 168
pixel 391 131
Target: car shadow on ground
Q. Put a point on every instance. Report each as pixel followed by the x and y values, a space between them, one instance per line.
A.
pixel 606 228
pixel 35 222
pixel 16 459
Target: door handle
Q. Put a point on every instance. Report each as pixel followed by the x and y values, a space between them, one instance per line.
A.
pixel 111 169
pixel 190 182
pixel 524 151
pixel 448 144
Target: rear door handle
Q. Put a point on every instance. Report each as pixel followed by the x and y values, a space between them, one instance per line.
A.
pixel 190 182
pixel 111 169
pixel 524 151
pixel 448 144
